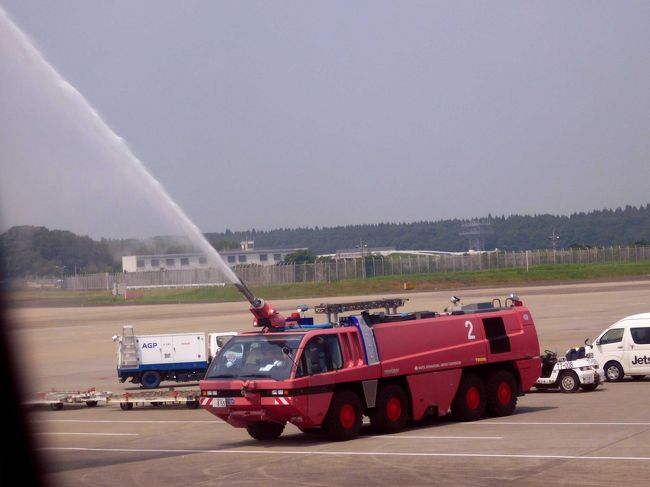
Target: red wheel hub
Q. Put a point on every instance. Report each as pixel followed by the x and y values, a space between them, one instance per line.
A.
pixel 347 416
pixel 394 409
pixel 504 394
pixel 473 398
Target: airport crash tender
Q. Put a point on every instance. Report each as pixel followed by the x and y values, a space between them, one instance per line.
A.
pixel 471 361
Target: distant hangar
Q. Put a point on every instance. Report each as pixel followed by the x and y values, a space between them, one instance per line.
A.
pixel 162 262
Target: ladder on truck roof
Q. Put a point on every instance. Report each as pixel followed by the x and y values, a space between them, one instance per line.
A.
pixel 333 310
pixel 128 348
pixel 367 335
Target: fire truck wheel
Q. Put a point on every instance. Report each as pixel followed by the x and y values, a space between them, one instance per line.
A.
pixel 150 379
pixel 469 403
pixel 91 404
pixel 265 430
pixel 501 393
pixel 614 372
pixel 391 410
pixel 126 406
pixel 343 420
pixel 569 381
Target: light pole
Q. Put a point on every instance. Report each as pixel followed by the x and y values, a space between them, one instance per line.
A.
pixel 554 238
pixel 61 269
pixel 362 248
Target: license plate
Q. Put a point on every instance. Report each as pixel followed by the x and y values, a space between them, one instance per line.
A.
pixel 219 402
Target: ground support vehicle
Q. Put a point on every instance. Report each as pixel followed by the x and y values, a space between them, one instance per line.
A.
pixel 56 400
pixel 470 360
pixel 150 359
pixel 624 348
pixel 578 369
pixel 171 397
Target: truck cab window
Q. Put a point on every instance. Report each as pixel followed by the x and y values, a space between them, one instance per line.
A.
pixel 247 357
pixel 221 341
pixel 321 354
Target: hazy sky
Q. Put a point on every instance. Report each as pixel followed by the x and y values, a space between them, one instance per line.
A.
pixel 300 114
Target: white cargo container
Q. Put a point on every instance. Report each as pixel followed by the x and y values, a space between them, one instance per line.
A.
pixel 150 359
pixel 171 348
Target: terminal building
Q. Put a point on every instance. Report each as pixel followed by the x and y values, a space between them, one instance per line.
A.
pixel 245 255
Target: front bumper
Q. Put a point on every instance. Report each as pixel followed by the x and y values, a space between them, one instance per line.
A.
pixel 251 408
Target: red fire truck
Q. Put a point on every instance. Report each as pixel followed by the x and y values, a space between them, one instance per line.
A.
pixel 471 361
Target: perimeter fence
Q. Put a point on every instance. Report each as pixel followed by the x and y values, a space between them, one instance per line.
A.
pixel 356 268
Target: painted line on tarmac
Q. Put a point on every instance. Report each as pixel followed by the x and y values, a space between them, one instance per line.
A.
pixel 90 434
pixel 404 437
pixel 475 423
pixel 122 421
pixel 352 453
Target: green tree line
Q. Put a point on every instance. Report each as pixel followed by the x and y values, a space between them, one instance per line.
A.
pixel 622 226
pixel 28 250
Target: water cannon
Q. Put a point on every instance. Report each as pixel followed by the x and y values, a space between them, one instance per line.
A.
pixel 265 313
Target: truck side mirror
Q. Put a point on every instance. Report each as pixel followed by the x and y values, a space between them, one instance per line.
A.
pixel 287 351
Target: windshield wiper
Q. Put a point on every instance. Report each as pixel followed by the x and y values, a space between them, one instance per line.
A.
pixel 257 375
pixel 221 376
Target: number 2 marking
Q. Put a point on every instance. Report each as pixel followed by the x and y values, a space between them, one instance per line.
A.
pixel 470 332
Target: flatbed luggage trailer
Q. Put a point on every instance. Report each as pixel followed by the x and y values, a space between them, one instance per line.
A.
pixel 471 361
pixel 56 400
pixel 128 400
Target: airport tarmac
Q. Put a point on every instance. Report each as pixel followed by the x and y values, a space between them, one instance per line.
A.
pixel 585 438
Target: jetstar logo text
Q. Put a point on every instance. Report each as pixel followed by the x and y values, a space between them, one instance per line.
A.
pixel 641 360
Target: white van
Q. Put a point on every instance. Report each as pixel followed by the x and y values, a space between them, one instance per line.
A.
pixel 624 348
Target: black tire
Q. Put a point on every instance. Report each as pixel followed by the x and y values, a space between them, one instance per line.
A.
pixel 56 406
pixel 613 372
pixel 589 387
pixel 568 381
pixel 265 430
pixel 391 410
pixel 126 406
pixel 192 404
pixel 501 393
pixel 470 401
pixel 343 420
pixel 638 377
pixel 91 404
pixel 150 379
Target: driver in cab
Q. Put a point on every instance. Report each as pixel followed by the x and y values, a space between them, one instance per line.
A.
pixel 268 359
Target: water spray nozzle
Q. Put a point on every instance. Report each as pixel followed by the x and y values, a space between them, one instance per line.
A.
pixel 265 314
